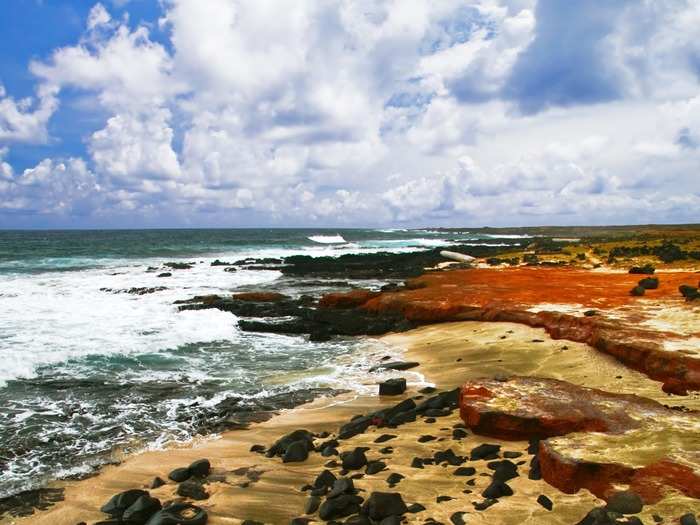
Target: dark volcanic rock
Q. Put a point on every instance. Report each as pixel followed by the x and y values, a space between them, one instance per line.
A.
pixel 625 502
pixel 200 468
pixel 118 504
pixel 374 467
pixel 381 505
pixel 496 490
pixel 649 283
pixel 157 482
pixel 485 451
pixel 142 509
pixel 392 387
pixel 355 459
pixel 340 507
pixel 279 448
pixel 688 519
pixel 394 478
pixel 341 486
pixel 465 471
pixel 395 365
pixel 312 505
pixel 296 451
pixel 179 475
pixel 545 502
pixel 324 479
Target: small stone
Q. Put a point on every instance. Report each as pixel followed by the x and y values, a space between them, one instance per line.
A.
pixel 415 508
pixel 426 438
pixel 545 502
pixel 257 448
pixel 625 502
pixel 457 518
pixel 386 450
pixel 374 467
pixel 496 490
pixel 465 471
pixel 688 519
pixel 384 438
pixel 157 482
pixel 394 478
pixel 485 451
pixel 511 454
pixel 459 433
pixel 417 463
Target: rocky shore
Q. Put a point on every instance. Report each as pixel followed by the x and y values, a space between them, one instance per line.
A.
pixel 559 394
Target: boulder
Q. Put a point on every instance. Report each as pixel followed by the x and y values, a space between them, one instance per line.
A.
pixel 118 504
pixel 192 489
pixel 142 509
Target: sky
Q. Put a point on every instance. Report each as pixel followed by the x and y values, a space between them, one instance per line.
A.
pixel 348 113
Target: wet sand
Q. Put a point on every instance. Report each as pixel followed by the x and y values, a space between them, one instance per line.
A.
pixel 250 486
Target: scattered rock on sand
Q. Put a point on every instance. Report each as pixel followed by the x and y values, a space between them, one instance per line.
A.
pixel 200 468
pixel 395 365
pixel 485 451
pixel 688 519
pixel 116 506
pixel 179 514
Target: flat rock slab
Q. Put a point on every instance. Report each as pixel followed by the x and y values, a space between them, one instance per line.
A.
pixel 590 438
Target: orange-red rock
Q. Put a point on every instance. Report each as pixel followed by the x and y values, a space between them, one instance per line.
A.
pixel 350 299
pixel 604 438
pixel 260 297
pixel 528 295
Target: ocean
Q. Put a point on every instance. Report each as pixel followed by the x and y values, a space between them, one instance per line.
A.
pixel 90 372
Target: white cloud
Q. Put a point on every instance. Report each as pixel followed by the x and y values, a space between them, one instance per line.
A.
pixel 373 111
pixel 25 120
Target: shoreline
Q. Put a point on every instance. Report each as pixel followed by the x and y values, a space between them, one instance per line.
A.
pixel 245 485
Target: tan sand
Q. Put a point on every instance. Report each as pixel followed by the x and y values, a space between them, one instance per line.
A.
pixel 275 497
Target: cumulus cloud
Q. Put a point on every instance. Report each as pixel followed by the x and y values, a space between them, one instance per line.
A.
pixel 371 112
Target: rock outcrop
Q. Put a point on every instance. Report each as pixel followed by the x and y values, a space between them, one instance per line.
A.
pixel 590 438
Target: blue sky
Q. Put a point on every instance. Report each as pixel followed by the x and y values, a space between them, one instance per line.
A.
pixel 171 113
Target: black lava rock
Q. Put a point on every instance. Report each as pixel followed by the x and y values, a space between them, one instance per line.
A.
pixel 496 490
pixel 340 507
pixel 142 509
pixel 458 519
pixel 465 471
pixel 392 387
pixel 354 460
pixel 116 506
pixel 503 470
pixel 417 463
pixel 374 467
pixel 535 472
pixel 649 283
pixel 279 448
pixel 485 451
pixel 394 478
pixel 637 291
pixel 415 508
pixel 312 505
pixel 625 502
pixel 545 502
pixel 200 468
pixel 395 365
pixel 688 519
pixel 384 438
pixel 341 486
pixel 157 482
pixel 324 479
pixel 459 433
pixel 180 474
pixel 381 505
pixel 483 505
pixel 296 452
